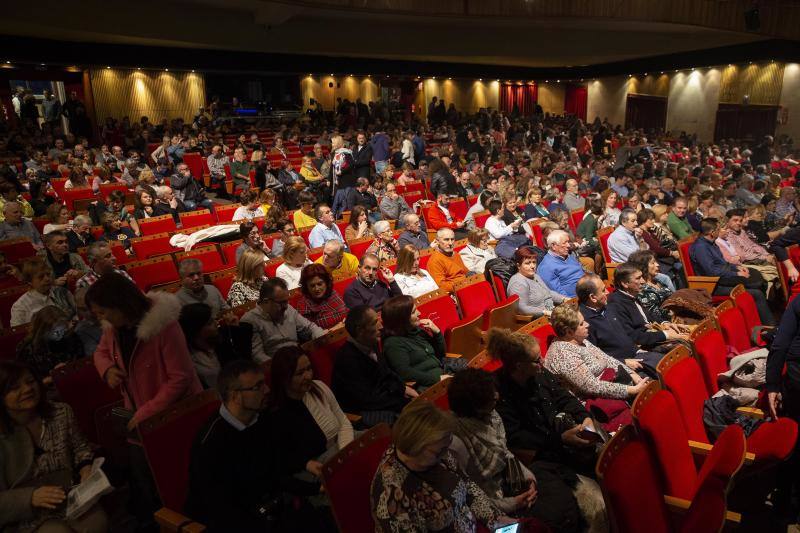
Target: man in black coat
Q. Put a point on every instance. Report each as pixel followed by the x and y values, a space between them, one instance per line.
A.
pixel 607 333
pixel 634 319
pixel 362 155
pixel 362 380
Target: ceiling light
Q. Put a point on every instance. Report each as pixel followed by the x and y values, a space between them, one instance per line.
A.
pixel 166 70
pixel 8 62
pixel 192 70
pixel 558 81
pixel 645 73
pixel 138 68
pixel 108 67
pixel 449 78
pixel 480 79
pixel 42 64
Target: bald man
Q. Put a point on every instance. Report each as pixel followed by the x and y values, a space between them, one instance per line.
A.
pixel 573 200
pixel 15 226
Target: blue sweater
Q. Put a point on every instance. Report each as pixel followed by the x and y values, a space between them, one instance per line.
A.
pixel 561 275
pixel 707 259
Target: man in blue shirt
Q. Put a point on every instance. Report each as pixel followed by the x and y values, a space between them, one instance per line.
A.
pixel 707 260
pixel 326 229
pixel 559 269
pixel 380 151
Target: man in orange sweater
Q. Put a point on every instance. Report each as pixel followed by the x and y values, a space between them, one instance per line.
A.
pixel 445 266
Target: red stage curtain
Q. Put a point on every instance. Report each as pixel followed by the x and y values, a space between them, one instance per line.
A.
pixel 575 101
pixel 523 96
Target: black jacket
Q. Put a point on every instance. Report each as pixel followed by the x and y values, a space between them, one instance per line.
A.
pixel 443 182
pixel 76 242
pixel 607 333
pixel 624 308
pixel 356 197
pixel 361 384
pixel 187 188
pixel 362 157
pixel 529 413
pixel 162 208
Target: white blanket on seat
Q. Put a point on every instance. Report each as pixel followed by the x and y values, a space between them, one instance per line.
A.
pixel 180 240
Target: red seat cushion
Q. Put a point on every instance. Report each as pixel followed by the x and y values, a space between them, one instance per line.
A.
pixel 773 441
pixel 734 329
pixel 441 310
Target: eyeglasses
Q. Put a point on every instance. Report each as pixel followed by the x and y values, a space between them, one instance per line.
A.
pixel 261 385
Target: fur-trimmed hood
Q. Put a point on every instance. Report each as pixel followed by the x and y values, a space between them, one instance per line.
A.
pixel 166 309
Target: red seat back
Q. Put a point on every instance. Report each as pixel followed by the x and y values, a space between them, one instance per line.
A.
pixel 575 218
pixel 682 376
pixel 733 326
pixel 79 385
pixel 152 245
pixel 480 218
pixel 167 437
pixel 359 246
pixel 659 420
pixel 322 353
pixel 199 217
pixel 155 271
pixel 223 280
pixel 347 478
pixel 155 225
pixel 747 306
pixel 683 250
pixel 340 285
pixel 225 212
pixel 632 486
pixel 10 338
pixel 228 250
pixel 711 352
pixel 603 236
pixel 437 394
pixel 458 208
pixel 439 307
pixel 17 250
pixel 195 163
pixel 542 331
pixel 474 296
pixel 209 255
pixel 78 193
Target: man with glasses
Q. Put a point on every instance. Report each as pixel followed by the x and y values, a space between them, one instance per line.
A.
pixel 231 471
pixel 414 234
pixel 276 323
pixel 194 289
pixel 338 262
pixel 188 190
pixel 559 269
pixel 393 206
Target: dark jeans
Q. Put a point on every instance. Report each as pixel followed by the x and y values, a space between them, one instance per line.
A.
pixel 757 288
pixel 191 205
pixel 144 500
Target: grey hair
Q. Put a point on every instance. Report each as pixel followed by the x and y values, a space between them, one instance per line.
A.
pixel 407 216
pixel 556 235
pixel 161 190
pixel 334 243
pixel 442 231
pixel 186 264
pixel 380 226
pixel 81 220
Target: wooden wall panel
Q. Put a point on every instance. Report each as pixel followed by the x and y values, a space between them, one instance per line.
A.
pixel 651 85
pixel 155 94
pixel 761 81
pixel 350 87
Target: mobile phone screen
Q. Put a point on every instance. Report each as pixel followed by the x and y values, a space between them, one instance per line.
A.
pixel 510 528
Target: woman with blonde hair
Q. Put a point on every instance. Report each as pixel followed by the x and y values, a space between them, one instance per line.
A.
pixel 418 485
pixel 249 277
pixel 412 280
pixel 295 257
pixel 535 209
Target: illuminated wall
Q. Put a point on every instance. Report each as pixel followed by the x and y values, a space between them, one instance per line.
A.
pixel 468 95
pixel 155 94
pixel 693 95
pixel 327 89
pixel 551 97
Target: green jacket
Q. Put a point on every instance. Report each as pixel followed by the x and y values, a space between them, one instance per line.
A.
pixel 416 356
pixel 679 227
pixel 587 229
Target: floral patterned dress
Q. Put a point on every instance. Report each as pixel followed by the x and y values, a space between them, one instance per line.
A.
pixel 441 498
pixel 651 297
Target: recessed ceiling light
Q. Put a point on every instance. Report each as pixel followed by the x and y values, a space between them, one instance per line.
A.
pixel 192 70
pixel 166 70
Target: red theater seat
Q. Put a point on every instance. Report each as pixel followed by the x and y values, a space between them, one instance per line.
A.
pixel 209 255
pixel 155 271
pixel 156 225
pixel 322 353
pixel 152 245
pixel 199 217
pixel 542 331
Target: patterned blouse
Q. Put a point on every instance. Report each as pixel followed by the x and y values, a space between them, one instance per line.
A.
pixel 386 251
pixel 325 314
pixel 240 293
pixel 439 499
pixel 580 367
pixel 651 297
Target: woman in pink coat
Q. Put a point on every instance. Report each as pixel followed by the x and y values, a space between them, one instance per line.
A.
pixel 142 352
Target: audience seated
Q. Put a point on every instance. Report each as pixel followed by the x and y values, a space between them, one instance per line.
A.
pixel 412 280
pixel 14 226
pixel 653 292
pixel 445 266
pixel 362 380
pixel 634 319
pixel 67 267
pixel 246 285
pixel 199 326
pixel 413 234
pixel 739 249
pixel 250 208
pixel 707 260
pixel 312 424
pixel 611 212
pixel 535 297
pixel 338 262
pixel 241 491
pixel 479 445
pixel 626 238
pixel 587 371
pixel 276 323
pixel 80 234
pixel 368 288
pixel 419 486
pixel 58 218
pixel 539 415
pixel 384 247
pixel 440 217
pixel 304 217
pixel 195 290
pixel 358 226
pixel 251 240
pixel 676 221
pixel 50 343
pixel 168 204
pixel 295 257
pixel 287 229
pixel 320 303
pixel 113 230
pixel 326 229
pixel 559 269
pixel 477 252
pixel 393 206
pixel 43 453
pixel 43 292
pixel 414 347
